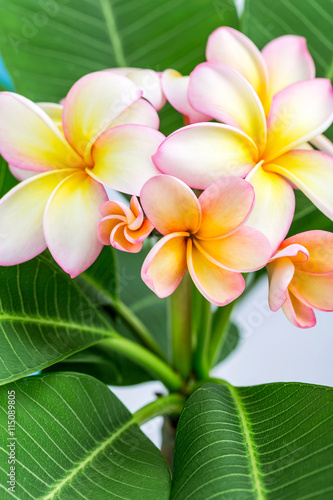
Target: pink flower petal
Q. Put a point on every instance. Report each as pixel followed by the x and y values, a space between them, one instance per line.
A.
pixel 298 313
pixel 92 104
pixel 224 206
pixel 244 250
pixel 280 273
pixel 227 96
pixel 230 47
pixel 201 154
pixel 319 245
pixel 140 234
pixel 175 87
pixel 298 113
pixel 21 217
pixel 122 157
pixel 312 173
pixel 316 289
pixel 70 222
pixel 170 205
pixel 288 61
pixel 274 205
pixel 165 265
pixel 139 113
pixel 29 139
pixel 120 242
pixel 106 226
pixel 216 284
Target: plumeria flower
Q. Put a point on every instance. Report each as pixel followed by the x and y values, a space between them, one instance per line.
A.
pixel 205 235
pixel 123 227
pixel 283 61
pixel 247 144
pixel 102 135
pixel 301 277
pixel 175 88
pixel 148 80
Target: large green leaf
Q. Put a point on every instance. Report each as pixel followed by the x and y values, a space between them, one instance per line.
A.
pixel 44 317
pixel 7 181
pixel 263 21
pixel 268 442
pixel 76 440
pixel 104 364
pixel 47 45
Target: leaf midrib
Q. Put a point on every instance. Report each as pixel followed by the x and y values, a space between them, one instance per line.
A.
pixel 133 420
pixel 255 472
pixel 56 323
pixel 113 33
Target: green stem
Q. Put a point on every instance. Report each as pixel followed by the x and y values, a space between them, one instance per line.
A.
pixel 149 361
pixel 164 406
pixel 137 327
pixel 221 322
pixel 201 360
pixel 181 326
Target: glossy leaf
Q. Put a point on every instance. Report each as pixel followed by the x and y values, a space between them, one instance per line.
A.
pixel 75 439
pixel 267 442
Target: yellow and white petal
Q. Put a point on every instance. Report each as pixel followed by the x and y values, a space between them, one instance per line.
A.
pixel 230 47
pixel 227 96
pixel 288 61
pixel 323 143
pixel 316 289
pixel 53 110
pixel 149 82
pixel 70 222
pixel 243 251
pixel 203 153
pixel 298 313
pixel 319 247
pixel 21 217
pixel 225 205
pixel 29 139
pixel 274 205
pixel 170 205
pixel 92 104
pixel 165 265
pixel 122 157
pixel 216 284
pixel 312 173
pixel 175 87
pixel 139 113
pixel 21 174
pixel 298 113
pixel 280 273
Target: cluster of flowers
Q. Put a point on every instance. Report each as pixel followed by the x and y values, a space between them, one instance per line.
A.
pixel 268 110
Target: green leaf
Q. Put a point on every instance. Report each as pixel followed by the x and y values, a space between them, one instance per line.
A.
pixel 269 442
pixel 44 318
pixel 75 439
pixel 231 341
pixel 48 45
pixel 104 364
pixel 264 21
pixel 7 181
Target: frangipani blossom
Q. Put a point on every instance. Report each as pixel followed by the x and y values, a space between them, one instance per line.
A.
pixel 247 144
pixel 175 88
pixel 104 137
pixel 205 235
pixel 283 61
pixel 301 277
pixel 148 80
pixel 123 227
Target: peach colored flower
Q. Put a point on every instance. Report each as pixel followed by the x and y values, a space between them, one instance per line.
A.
pixel 205 235
pixel 123 227
pixel 104 134
pixel 301 277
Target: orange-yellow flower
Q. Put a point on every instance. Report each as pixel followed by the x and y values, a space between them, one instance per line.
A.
pixel 301 277
pixel 123 227
pixel 205 235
